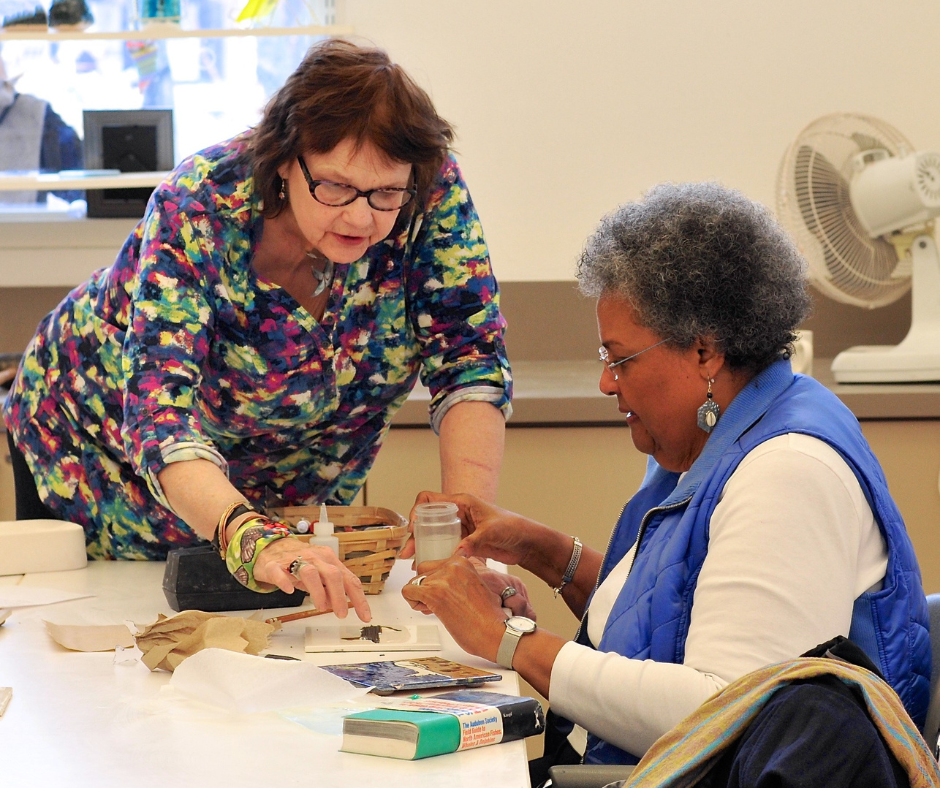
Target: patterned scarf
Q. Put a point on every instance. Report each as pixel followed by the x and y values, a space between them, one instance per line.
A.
pixel 684 755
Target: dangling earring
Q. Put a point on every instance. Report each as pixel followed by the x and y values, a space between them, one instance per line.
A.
pixel 281 194
pixel 709 412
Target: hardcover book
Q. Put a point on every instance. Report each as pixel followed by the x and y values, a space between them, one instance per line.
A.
pixel 419 728
pixel 394 675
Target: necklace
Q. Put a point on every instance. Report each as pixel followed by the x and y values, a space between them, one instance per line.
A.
pixel 325 277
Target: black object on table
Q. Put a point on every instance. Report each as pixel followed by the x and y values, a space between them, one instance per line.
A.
pixel 196 578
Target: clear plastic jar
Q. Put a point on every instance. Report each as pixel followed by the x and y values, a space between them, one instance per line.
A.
pixel 436 531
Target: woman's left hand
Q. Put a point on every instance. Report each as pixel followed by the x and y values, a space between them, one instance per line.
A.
pixel 321 574
pixel 454 591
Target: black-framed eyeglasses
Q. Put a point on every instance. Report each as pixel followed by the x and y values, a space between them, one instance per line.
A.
pixel 336 195
pixel 604 358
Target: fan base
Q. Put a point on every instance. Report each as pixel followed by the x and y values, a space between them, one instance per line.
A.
pixel 887 364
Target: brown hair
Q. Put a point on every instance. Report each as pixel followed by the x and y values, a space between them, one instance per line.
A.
pixel 344 91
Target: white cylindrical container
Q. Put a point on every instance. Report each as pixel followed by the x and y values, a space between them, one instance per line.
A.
pixel 436 531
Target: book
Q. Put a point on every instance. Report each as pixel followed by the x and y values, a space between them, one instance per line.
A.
pixel 394 675
pixel 372 637
pixel 422 727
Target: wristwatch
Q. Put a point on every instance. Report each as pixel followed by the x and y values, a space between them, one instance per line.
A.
pixel 516 627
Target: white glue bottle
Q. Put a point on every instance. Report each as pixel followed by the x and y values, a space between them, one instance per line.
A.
pixel 323 532
pixel 436 531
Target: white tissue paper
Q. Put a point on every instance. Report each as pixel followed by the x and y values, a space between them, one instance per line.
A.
pixel 244 683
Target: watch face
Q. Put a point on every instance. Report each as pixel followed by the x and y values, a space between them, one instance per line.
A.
pixel 521 624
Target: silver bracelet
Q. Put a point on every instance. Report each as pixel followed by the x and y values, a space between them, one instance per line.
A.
pixel 572 566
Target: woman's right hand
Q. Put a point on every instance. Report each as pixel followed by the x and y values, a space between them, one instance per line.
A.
pixel 487 530
pixel 321 574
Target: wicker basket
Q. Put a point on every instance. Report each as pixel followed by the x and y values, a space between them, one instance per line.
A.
pixel 370 538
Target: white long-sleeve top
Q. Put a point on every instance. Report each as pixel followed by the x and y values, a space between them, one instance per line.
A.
pixel 792 544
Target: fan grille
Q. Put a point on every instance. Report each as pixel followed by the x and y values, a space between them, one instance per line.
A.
pixel 813 202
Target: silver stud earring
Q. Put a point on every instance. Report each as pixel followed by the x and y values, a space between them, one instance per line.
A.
pixel 282 194
pixel 709 412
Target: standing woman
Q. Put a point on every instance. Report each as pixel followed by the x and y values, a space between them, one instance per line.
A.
pixel 261 326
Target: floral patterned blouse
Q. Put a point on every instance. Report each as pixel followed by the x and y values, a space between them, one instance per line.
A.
pixel 180 351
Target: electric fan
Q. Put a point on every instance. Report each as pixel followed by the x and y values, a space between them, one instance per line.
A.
pixel 861 202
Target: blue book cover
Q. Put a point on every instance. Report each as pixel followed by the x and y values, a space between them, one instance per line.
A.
pixel 395 675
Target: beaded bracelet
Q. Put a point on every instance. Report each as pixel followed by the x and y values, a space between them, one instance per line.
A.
pixel 243 550
pixel 237 520
pixel 218 538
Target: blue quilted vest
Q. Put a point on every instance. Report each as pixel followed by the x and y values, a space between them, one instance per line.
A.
pixel 650 619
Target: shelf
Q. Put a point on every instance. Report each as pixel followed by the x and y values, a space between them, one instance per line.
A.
pixel 161 31
pixel 55 182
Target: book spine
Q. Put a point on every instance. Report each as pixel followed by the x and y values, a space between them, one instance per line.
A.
pixel 522 719
pixel 486 718
pixel 439 738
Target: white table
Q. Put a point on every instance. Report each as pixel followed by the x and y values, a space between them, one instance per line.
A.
pixel 78 719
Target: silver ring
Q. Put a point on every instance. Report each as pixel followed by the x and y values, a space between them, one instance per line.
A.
pixel 296 566
pixel 418 580
pixel 507 592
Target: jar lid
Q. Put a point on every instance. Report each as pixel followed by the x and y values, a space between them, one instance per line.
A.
pixel 436 513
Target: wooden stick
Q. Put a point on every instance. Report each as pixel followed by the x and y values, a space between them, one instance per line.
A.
pixel 302 614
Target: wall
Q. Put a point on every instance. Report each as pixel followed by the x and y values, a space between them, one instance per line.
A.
pixel 564 109
pixel 547 321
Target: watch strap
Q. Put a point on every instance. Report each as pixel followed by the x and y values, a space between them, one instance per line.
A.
pixel 511 638
pixel 507 647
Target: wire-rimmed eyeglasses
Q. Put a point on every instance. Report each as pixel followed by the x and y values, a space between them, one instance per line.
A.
pixel 336 195
pixel 604 357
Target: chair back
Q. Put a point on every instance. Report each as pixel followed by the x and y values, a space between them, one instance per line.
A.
pixel 932 725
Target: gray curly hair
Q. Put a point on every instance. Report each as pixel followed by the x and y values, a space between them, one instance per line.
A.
pixel 701 260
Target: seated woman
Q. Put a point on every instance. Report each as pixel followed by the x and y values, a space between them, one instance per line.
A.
pixel 763 527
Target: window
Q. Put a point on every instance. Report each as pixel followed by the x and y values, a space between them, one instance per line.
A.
pixel 216 86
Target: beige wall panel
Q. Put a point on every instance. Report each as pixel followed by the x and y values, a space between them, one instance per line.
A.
pixel 909 452
pixel 531 308
pixel 575 480
pixel 407 463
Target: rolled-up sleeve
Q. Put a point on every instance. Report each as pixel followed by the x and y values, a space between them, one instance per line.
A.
pixel 454 304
